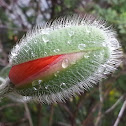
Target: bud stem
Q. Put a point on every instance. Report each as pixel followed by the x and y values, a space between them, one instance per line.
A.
pixel 5 88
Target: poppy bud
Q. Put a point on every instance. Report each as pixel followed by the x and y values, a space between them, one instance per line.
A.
pixel 54 62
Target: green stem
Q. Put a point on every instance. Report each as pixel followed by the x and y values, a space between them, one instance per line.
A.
pixel 5 88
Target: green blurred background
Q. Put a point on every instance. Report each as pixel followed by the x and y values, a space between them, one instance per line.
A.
pixel 93 108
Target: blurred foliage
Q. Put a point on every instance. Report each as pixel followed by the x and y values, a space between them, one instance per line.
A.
pixel 81 110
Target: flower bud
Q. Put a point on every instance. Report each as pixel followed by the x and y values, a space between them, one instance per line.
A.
pixel 54 62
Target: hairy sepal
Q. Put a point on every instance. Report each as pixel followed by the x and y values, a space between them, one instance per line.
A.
pixel 56 40
pixel 101 56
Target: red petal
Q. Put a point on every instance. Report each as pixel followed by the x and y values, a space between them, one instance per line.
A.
pixel 22 72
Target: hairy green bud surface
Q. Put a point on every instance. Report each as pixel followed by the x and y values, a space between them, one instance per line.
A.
pixel 55 62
